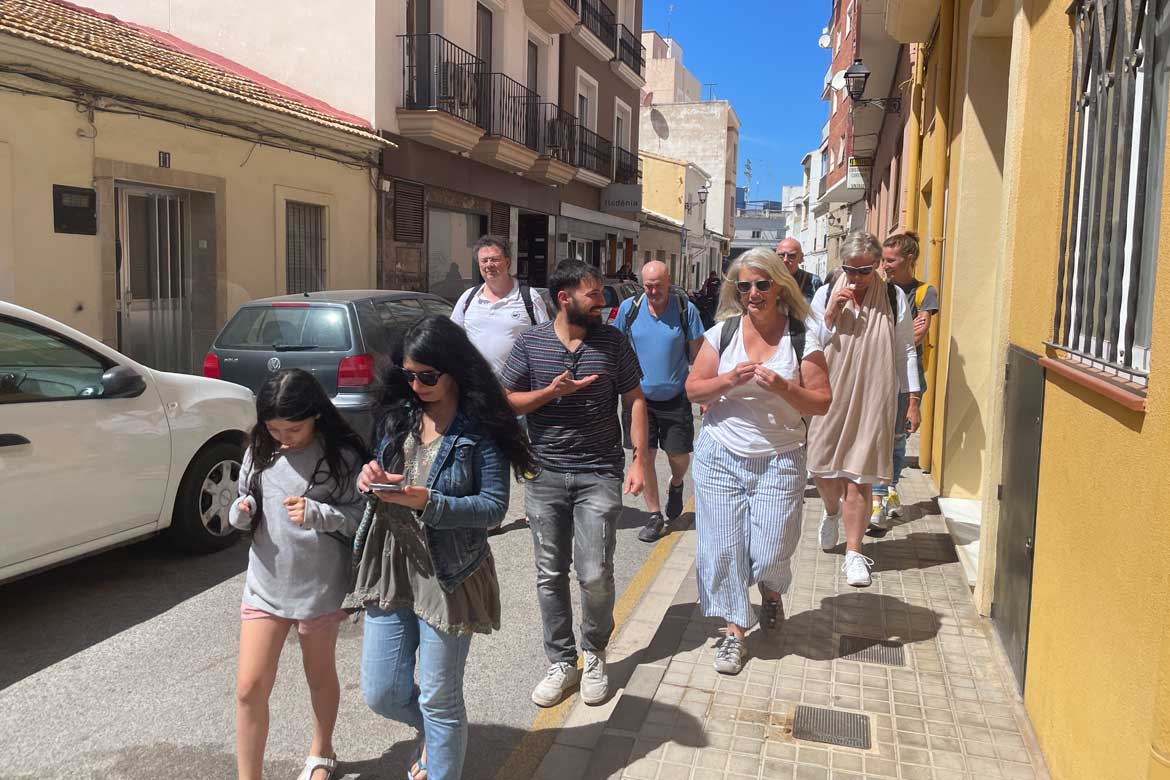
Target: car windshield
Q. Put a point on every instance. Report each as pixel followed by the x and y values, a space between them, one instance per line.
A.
pixel 287 329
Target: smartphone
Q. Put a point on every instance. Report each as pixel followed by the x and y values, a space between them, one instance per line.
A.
pixel 386 487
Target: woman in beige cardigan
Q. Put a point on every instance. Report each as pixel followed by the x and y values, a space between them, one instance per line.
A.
pixel 871 356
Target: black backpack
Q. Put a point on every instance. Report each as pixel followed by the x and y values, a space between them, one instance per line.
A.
pixel 795 335
pixel 891 290
pixel 525 295
pixel 684 317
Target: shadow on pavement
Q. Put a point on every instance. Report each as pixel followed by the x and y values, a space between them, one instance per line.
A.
pixel 49 616
pixel 918 550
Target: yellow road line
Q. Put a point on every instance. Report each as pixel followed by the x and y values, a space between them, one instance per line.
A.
pixel 526 757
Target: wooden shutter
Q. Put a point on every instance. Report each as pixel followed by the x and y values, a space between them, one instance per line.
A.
pixel 409 212
pixel 501 221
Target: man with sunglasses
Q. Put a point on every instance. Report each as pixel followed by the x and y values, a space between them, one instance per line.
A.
pixel 792 254
pixel 567 376
pixel 666 331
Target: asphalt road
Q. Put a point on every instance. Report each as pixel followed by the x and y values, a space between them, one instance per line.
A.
pixel 123 666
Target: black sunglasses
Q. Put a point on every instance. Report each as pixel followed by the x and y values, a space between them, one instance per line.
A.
pixel 571 361
pixel 763 285
pixel 428 378
pixel 863 271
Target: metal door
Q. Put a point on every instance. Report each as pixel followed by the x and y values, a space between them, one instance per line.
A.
pixel 154 277
pixel 1023 419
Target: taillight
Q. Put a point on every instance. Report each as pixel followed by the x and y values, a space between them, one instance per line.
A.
pixel 355 371
pixel 612 315
pixel 211 366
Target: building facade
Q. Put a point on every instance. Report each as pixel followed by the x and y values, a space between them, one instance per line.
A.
pixel 1033 157
pixel 675 198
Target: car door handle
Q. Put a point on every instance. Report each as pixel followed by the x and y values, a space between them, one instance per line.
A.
pixel 12 440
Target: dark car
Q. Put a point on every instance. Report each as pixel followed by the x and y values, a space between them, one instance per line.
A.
pixel 616 291
pixel 342 337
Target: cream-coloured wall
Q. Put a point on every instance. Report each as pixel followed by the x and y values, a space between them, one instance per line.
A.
pixel 7 251
pixel 49 142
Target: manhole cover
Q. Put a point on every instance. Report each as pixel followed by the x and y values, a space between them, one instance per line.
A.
pixel 832 727
pixel 872 651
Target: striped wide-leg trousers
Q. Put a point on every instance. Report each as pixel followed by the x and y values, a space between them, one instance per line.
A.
pixel 747 516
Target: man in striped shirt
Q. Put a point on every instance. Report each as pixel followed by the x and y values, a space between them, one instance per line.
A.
pixel 567 376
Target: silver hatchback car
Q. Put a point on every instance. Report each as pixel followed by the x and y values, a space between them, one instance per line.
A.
pixel 343 338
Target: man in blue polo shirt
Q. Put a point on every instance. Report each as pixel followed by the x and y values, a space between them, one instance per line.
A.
pixel 666 331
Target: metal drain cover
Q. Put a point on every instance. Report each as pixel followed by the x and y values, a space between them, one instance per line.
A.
pixel 872 651
pixel 832 727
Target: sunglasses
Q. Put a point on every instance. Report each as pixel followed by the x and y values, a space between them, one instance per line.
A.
pixel 863 271
pixel 763 285
pixel 428 378
pixel 571 360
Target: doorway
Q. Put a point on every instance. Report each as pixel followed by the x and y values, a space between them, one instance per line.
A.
pixel 532 250
pixel 154 273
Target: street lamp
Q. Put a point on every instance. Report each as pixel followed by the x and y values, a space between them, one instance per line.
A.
pixel 703 192
pixel 855 80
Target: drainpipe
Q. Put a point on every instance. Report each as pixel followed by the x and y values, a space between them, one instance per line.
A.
pixel 938 212
pixel 913 143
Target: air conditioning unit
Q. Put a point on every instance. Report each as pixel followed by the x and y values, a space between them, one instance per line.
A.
pixel 455 85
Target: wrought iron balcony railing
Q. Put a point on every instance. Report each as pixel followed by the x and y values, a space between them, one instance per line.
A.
pixel 631 52
pixel 557 133
pixel 625 166
pixel 438 75
pixel 594 153
pixel 510 110
pixel 599 20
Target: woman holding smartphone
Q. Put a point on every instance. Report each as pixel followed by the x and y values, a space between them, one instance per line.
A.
pixel 425 573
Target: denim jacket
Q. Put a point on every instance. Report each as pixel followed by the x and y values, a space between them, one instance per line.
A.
pixel 468 487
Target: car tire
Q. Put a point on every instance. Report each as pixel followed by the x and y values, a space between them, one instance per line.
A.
pixel 200 519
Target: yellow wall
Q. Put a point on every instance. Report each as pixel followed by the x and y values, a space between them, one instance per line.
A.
pixel 663 182
pixel 48 142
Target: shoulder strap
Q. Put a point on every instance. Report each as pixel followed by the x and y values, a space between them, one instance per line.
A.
pixel 467 301
pixel 892 294
pixel 632 314
pixel 526 296
pixel 727 333
pixel 919 295
pixel 796 336
pixel 684 317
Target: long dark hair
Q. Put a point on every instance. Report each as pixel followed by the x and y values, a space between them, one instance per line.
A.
pixel 295 395
pixel 437 342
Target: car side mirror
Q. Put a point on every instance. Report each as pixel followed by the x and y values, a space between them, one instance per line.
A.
pixel 122 382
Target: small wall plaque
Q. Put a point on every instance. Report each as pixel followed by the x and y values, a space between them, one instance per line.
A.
pixel 74 210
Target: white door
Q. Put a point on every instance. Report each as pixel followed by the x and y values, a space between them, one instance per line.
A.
pixel 74 466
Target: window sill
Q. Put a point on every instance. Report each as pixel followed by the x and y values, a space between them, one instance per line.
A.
pixel 1128 394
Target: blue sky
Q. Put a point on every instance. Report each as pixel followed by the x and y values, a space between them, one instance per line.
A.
pixel 762 56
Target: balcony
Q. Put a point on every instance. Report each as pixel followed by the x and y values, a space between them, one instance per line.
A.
pixel 630 62
pixel 555 16
pixel 556 142
pixel 625 166
pixel 509 117
pixel 441 100
pixel 911 21
pixel 598 29
pixel 594 157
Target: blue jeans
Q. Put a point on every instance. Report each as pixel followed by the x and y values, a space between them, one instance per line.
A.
pixel 574 519
pixel 435 705
pixel 900 436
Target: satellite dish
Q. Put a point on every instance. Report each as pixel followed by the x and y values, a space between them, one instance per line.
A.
pixel 824 41
pixel 838 81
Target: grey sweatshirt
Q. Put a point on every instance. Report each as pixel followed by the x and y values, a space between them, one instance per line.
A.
pixel 298 572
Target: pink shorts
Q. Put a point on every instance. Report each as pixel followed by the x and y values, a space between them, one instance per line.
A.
pixel 305 626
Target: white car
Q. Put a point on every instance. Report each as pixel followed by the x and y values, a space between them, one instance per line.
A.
pixel 97 450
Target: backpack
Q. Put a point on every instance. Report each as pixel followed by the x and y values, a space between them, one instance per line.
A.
pixel 919 297
pixel 795 335
pixel 525 295
pixel 891 291
pixel 684 317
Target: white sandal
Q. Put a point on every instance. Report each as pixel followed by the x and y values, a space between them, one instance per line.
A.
pixel 313 763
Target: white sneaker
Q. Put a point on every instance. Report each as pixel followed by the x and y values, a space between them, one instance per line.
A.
pixel 829 529
pixel 856 568
pixel 595 681
pixel 558 680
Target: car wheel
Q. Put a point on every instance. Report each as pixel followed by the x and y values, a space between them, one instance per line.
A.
pixel 209 486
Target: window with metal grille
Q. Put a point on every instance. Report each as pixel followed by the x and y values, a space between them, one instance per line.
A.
pixel 304 247
pixel 1113 184
pixel 501 220
pixel 408 212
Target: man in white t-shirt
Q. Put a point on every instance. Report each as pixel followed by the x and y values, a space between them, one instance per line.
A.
pixel 495 313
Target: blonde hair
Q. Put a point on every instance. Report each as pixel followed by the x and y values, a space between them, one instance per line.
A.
pixel 768 263
pixel 905 244
pixel 859 243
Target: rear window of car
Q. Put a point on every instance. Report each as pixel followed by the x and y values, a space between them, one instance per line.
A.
pixel 611 297
pixel 303 328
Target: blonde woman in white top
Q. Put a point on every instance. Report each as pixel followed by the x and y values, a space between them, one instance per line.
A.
pixel 749 461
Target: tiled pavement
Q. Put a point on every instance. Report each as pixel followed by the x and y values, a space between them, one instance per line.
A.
pixel 951 712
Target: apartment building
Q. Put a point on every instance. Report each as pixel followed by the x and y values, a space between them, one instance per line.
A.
pixel 515 117
pixel 675 220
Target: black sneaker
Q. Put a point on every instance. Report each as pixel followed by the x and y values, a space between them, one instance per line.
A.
pixel 771 615
pixel 674 502
pixel 652 531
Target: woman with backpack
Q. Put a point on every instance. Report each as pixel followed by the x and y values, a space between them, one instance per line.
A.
pixel 760 371
pixel 425 574
pixel 297 497
pixel 870 352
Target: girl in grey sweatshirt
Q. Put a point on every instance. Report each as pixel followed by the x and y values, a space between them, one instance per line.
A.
pixel 298 497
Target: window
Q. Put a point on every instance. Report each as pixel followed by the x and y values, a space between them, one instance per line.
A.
pixel 586 100
pixel 660 255
pixel 307 328
pixel 533 67
pixel 755 234
pixel 36 365
pixel 483 35
pixel 646 259
pixel 399 314
pixel 1113 190
pixel 304 247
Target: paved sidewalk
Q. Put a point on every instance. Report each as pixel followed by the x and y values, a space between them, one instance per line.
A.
pixel 949 712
